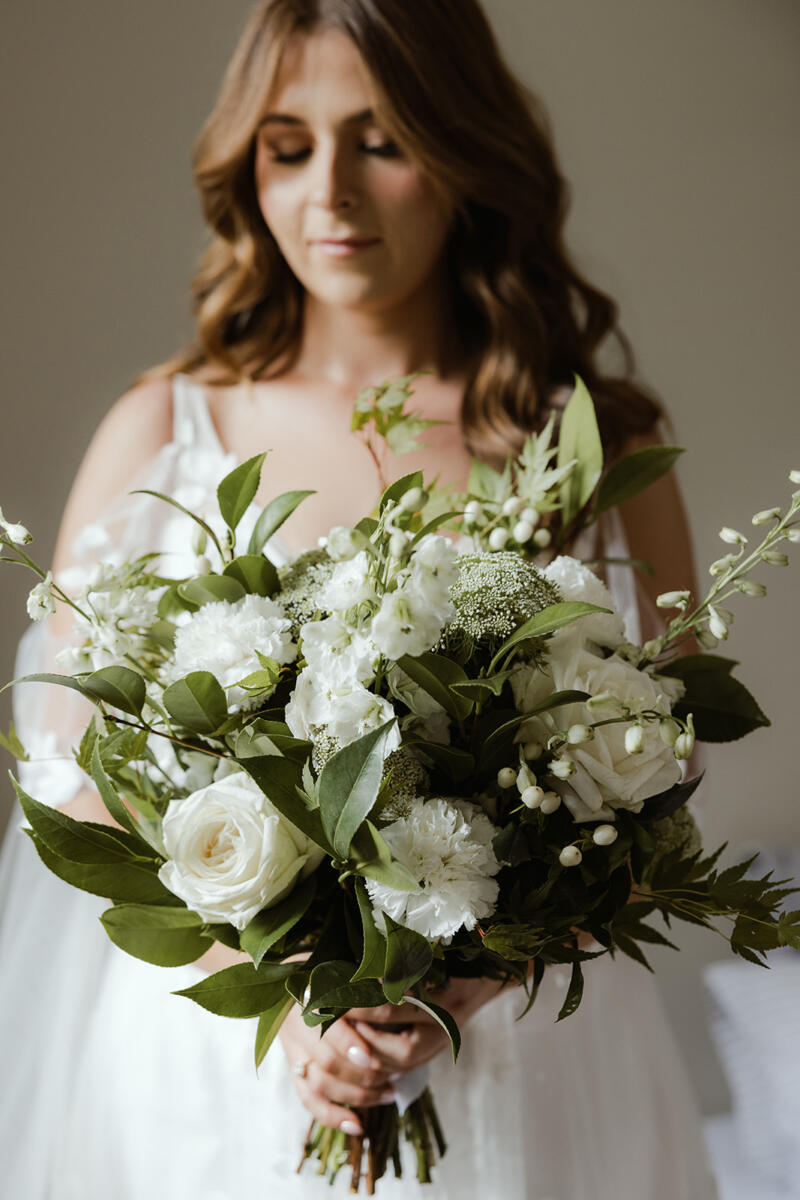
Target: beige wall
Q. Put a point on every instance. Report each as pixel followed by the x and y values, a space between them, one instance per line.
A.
pixel 676 123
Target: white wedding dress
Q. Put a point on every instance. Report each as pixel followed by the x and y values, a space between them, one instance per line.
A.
pixel 114 1089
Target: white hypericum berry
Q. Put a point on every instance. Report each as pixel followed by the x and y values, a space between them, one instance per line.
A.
pixel 732 536
pixel 570 856
pixel 529 514
pixel 532 797
pixel 533 750
pixel 523 532
pixel 578 734
pixel 412 499
pixel 604 835
pixel 550 802
pixel 473 513
pixel 672 599
pixel 766 514
pixel 542 538
pixel 498 539
pixel 634 740
pixel 512 506
pixel 506 777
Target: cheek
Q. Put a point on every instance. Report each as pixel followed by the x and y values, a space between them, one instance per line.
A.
pixel 419 217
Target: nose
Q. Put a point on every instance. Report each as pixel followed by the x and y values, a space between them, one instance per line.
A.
pixel 334 185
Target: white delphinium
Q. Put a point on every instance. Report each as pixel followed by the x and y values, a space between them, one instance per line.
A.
pixel 601 775
pixel 15 533
pixel 350 584
pixel 223 638
pixel 576 582
pixel 231 853
pixel 40 601
pixel 447 845
pixel 411 617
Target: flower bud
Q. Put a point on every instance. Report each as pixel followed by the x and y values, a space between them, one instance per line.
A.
pixel 570 856
pixel 673 599
pixel 412 499
pixel 542 538
pixel 523 532
pixel 794 476
pixel 506 777
pixel 398 543
pixel 669 731
pixel 512 506
pixel 684 745
pixel 706 639
pixel 732 536
pixel 532 797
pixel 748 588
pixel 343 543
pixel 766 514
pixel 722 564
pixel 202 565
pixel 497 539
pixel 605 835
pixel 199 540
pixel 530 514
pixel 716 624
pixel 562 768
pixel 17 534
pixel 533 750
pixel 550 802
pixel 525 778
pixel 652 649
pixel 604 700
pixel 578 734
pixel 775 559
pixel 792 535
pixel 634 740
pixel 473 513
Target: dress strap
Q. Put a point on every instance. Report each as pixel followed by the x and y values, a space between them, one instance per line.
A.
pixel 192 424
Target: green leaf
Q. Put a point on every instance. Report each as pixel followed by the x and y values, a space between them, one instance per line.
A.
pixel 80 841
pixel 117 686
pixel 172 604
pixel 118 881
pixel 668 802
pixel 241 990
pixel 267 927
pixel 279 779
pixel 374 953
pixel 269 1023
pixel 722 707
pixel 538 976
pixel 574 993
pixel 480 689
pixel 197 520
pixel 348 787
pixel 367 993
pixel 632 949
pixel 256 574
pixel 398 489
pixel 236 491
pixel 13 745
pixel 457 764
pixel 554 617
pixel 197 702
pixel 273 516
pixel 168 937
pixel 579 439
pixel 436 674
pixel 444 1018
pixel 117 810
pixel 371 857
pixel 408 958
pixel 485 483
pixel 633 473
pixel 209 589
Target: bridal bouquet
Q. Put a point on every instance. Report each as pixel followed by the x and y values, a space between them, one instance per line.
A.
pixel 405 757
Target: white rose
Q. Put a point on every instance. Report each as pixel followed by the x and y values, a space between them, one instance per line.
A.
pixel 231 853
pixel 576 582
pixel 606 776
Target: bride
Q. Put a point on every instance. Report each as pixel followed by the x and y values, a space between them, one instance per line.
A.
pixel 384 199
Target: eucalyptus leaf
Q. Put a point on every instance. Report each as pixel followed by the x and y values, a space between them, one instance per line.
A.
pixel 197 702
pixel 168 937
pixel 633 473
pixel 579 442
pixel 241 990
pixel 273 516
pixel 408 958
pixel 210 589
pixel 256 574
pixel 348 787
pixel 236 491
pixel 268 926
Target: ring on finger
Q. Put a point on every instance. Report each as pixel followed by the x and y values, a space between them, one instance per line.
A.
pixel 300 1068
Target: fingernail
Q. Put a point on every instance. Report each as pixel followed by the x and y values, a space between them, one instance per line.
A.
pixel 359 1056
pixel 351 1128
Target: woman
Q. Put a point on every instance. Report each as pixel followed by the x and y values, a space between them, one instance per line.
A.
pixel 379 207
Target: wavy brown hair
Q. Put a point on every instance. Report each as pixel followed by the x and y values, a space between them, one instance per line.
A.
pixel 526 316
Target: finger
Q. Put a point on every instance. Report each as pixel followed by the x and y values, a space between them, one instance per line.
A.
pixel 343 1052
pixel 326 1112
pixel 404 1052
pixel 390 1014
pixel 339 1091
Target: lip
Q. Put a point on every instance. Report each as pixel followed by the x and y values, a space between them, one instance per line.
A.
pixel 343 247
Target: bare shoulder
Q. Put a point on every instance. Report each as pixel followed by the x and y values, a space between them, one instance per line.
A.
pixel 132 432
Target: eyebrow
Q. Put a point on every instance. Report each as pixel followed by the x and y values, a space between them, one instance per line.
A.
pixel 366 114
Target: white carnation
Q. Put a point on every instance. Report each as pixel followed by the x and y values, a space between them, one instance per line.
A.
pixel 223 638
pixel 338 653
pixel 574 581
pixel 231 853
pixel 606 776
pixel 447 846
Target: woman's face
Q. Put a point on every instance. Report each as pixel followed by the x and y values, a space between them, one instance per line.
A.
pixel 357 221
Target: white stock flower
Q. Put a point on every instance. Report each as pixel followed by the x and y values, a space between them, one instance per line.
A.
pixel 447 845
pixel 40 602
pixel 606 775
pixel 231 853
pixel 574 581
pixel 223 638
pixel 350 584
pixel 337 653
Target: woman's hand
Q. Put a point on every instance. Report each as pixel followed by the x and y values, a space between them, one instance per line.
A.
pixel 422 1038
pixel 340 1069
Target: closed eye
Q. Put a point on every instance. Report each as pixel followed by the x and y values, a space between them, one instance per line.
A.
pixel 384 150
